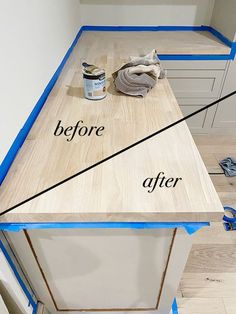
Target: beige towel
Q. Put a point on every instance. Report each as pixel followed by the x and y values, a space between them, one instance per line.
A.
pixel 139 76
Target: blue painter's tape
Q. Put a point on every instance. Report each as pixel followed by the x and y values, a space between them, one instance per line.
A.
pixel 194 57
pixel 175 307
pixel 190 227
pixel 217 34
pixel 225 40
pixel 233 51
pixel 35 309
pixel 21 282
pixel 110 28
pixel 210 29
pixel 6 164
pixel 220 36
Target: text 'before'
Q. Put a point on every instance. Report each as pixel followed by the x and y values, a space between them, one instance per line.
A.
pixel 77 130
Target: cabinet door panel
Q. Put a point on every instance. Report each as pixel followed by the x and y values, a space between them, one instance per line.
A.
pixel 226 112
pixel 196 121
pixel 102 268
pixel 195 83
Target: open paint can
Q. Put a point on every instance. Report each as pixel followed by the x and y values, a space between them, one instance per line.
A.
pixel 94 85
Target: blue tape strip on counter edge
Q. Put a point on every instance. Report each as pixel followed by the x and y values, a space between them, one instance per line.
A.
pixel 19 140
pixel 174 307
pixel 20 281
pixel 190 227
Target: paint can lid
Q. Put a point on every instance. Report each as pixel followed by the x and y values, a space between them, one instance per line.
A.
pixel 92 70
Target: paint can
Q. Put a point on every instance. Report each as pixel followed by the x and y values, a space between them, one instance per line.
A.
pixel 94 85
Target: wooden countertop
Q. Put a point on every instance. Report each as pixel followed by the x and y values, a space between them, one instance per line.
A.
pixel 112 191
pixel 165 42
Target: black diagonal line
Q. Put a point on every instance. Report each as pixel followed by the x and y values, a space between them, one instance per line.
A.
pixel 118 153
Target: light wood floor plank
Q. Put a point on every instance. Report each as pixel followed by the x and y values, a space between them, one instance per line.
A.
pixel 214 234
pixel 208 285
pixel 201 306
pixel 230 305
pixel 209 282
pixel 213 258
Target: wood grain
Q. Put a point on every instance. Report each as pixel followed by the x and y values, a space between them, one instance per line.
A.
pixel 201 306
pixel 230 305
pixel 209 282
pixel 216 258
pixel 112 191
pixel 171 42
pixel 214 148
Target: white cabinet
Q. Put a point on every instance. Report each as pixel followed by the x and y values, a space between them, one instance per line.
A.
pixel 195 85
pixel 104 270
pixel 226 112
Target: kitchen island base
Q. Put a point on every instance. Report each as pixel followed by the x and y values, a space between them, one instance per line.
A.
pixel 103 270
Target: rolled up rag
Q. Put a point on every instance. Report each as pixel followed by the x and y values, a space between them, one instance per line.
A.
pixel 133 84
pixel 139 76
pixel 229 166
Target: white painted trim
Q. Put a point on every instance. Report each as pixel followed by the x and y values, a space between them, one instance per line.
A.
pixel 179 254
pixel 3 308
pixel 12 286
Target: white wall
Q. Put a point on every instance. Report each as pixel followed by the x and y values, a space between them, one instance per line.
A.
pixel 35 35
pixel 146 12
pixel 11 291
pixel 224 18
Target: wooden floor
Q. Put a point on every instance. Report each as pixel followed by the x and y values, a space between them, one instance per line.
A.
pixel 209 281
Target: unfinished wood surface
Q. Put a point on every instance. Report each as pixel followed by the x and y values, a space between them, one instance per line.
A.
pixel 112 191
pixel 169 42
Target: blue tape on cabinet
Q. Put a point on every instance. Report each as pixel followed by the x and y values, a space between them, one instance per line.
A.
pixel 195 57
pixel 175 307
pixel 190 227
pixel 17 275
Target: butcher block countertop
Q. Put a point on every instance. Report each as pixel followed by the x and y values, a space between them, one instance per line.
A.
pixel 112 191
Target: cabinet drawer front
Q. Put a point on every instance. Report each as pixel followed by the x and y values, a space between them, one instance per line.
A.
pixel 196 121
pixel 188 83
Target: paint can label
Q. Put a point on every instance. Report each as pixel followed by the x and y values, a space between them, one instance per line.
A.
pixel 94 86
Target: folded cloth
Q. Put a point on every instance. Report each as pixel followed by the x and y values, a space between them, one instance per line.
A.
pixel 229 166
pixel 150 58
pixel 133 84
pixel 152 70
pixel 139 75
